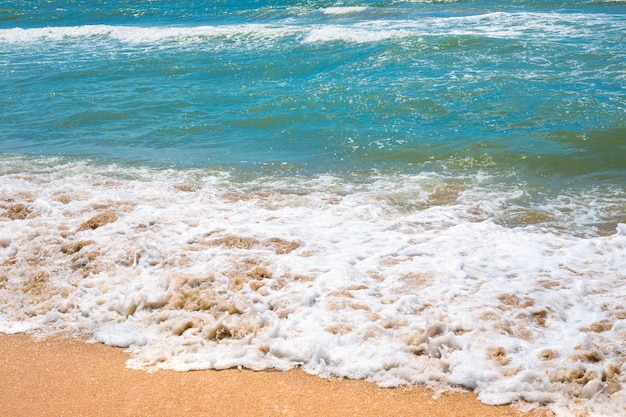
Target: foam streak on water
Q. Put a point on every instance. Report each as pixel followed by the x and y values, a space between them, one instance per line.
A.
pixel 545 26
pixel 398 281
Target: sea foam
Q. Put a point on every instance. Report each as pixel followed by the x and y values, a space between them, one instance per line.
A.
pixel 404 280
pixel 339 10
pixel 549 27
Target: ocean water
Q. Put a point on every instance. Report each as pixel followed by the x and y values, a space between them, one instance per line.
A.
pixel 408 192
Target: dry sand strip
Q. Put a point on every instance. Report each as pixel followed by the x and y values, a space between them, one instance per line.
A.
pixel 65 377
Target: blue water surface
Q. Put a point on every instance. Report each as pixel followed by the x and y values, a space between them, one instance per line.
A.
pixel 530 89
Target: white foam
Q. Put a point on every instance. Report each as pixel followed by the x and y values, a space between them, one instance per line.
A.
pixel 403 280
pixel 528 25
pixel 342 10
pixel 329 33
pixel 144 35
pixel 122 334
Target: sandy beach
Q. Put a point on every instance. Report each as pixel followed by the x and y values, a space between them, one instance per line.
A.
pixel 65 377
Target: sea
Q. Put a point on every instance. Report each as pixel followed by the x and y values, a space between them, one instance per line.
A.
pixel 406 192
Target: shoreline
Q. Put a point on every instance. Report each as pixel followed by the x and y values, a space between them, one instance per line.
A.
pixel 62 376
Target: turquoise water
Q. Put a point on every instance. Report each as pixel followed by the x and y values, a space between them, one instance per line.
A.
pixel 535 88
pixel 409 192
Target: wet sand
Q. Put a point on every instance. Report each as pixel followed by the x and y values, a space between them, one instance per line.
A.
pixel 65 377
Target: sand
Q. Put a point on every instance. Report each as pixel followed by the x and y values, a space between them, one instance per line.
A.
pixel 66 377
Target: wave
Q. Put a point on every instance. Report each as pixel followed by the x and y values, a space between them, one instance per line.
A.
pixel 342 10
pixel 546 26
pixel 141 35
pixel 400 280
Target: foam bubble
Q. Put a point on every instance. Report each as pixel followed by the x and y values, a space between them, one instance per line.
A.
pixel 402 280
